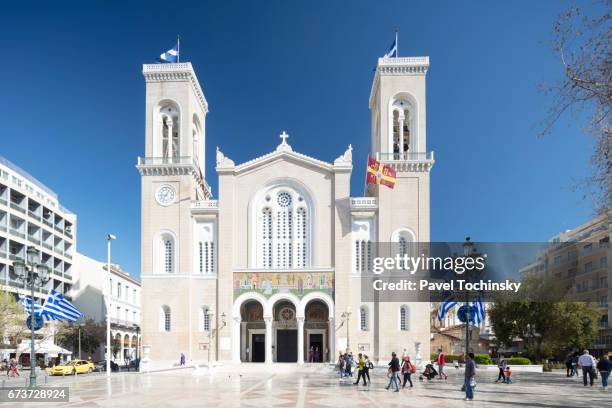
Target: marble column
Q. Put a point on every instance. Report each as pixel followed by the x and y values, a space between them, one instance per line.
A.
pixel 401 136
pixel 268 321
pixel 300 333
pixel 169 124
pixel 331 340
pixel 236 339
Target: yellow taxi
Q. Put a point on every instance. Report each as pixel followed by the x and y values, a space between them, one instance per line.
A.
pixel 72 367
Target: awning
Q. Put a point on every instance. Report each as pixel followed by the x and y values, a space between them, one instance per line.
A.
pixel 52 350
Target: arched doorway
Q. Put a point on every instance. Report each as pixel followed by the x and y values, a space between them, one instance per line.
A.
pixel 316 331
pixel 252 332
pixel 285 328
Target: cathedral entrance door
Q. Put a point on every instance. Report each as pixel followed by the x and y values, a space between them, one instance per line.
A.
pixel 258 350
pixel 286 346
pixel 315 350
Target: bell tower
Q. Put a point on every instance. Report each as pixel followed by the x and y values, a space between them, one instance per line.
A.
pixel 172 178
pixel 399 140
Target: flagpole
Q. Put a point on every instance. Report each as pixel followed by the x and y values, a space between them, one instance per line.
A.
pixel 178 49
pixel 396 44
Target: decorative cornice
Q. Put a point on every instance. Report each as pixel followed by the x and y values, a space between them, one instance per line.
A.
pixel 179 72
pixel 398 66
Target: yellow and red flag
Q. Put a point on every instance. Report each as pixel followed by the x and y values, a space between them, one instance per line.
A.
pixel 379 173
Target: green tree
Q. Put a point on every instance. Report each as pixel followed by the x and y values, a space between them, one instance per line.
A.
pixel 92 335
pixel 543 319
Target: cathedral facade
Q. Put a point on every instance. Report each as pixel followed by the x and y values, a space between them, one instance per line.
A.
pixel 270 270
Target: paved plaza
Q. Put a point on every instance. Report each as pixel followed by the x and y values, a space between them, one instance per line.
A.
pixel 318 387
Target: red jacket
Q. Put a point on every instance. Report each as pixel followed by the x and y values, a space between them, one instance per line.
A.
pixel 441 359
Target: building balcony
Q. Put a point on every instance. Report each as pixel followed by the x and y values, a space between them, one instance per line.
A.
pixel 33 239
pixel 17 233
pixel 3 201
pixel 182 165
pixel 47 222
pixel 17 207
pixel 407 161
pixel 3 254
pixel 47 245
pixel 204 206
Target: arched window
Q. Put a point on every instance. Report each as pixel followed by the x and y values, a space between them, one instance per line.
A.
pixel 363 318
pixel 164 253
pixel 404 318
pixel 363 248
pixel 402 128
pixel 205 319
pixel 283 229
pixel 170 131
pixel 165 319
pixel 168 255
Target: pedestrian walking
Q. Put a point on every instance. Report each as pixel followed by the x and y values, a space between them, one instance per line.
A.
pixel 182 360
pixel 587 364
pixel 575 364
pixel 604 366
pixel 470 377
pixel 441 364
pixel 394 369
pixel 367 367
pixel 568 365
pixel 501 365
pixel 360 370
pixel 407 369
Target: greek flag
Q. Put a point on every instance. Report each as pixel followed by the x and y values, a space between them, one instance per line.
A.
pixel 392 53
pixel 479 311
pixel 172 55
pixel 448 303
pixel 26 303
pixel 59 307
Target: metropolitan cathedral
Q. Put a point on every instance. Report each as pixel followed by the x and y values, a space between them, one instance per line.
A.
pixel 270 270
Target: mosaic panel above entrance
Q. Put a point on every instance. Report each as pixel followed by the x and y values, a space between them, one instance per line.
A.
pixel 270 283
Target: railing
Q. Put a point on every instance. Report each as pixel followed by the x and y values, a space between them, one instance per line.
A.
pixel 58 228
pixel 3 227
pixel 209 204
pixel 17 233
pixel 33 239
pixel 145 161
pixel 58 251
pixel 67 275
pixel 363 202
pixel 47 245
pixel 34 215
pixel 2 201
pixel 47 222
pixel 405 156
pixel 67 255
pixel 57 272
pixel 2 254
pixel 18 207
pixel 13 256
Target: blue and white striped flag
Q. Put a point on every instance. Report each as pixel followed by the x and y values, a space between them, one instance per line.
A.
pixel 172 55
pixel 392 53
pixel 59 307
pixel 448 303
pixel 26 303
pixel 479 311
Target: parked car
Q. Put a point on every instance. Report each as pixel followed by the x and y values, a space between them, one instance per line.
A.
pixel 72 367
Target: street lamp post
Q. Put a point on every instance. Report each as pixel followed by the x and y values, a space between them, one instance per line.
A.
pixel 109 238
pixel 347 317
pixel 467 252
pixel 31 272
pixel 80 326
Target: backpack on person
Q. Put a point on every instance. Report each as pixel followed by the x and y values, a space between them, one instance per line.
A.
pixel 370 365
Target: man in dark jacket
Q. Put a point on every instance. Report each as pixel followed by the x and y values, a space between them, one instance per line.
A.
pixel 470 373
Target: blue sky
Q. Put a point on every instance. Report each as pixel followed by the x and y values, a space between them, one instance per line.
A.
pixel 73 102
